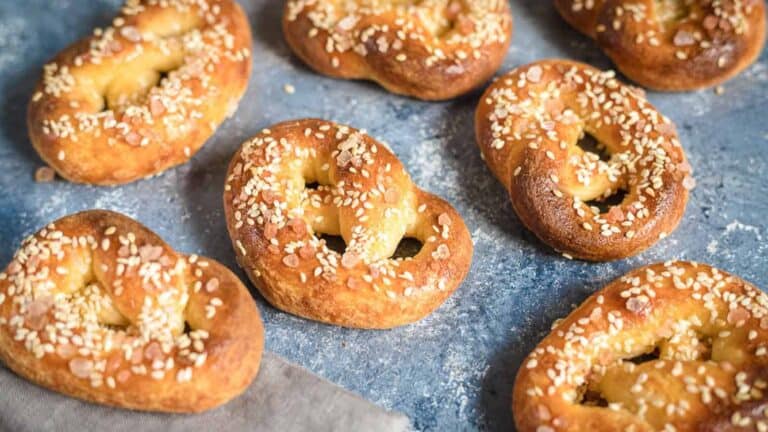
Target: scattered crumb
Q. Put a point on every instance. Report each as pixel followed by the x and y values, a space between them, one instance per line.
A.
pixel 719 90
pixel 44 174
pixel 288 88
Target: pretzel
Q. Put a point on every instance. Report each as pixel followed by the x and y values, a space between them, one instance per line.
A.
pixel 673 45
pixel 98 307
pixel 677 346
pixel 142 95
pixel 366 197
pixel 431 50
pixel 528 126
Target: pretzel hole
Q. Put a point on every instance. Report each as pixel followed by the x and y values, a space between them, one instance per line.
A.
pixel 605 203
pixel 590 144
pixel 592 398
pixel 134 88
pixel 645 357
pixel 334 242
pixel 313 185
pixel 408 247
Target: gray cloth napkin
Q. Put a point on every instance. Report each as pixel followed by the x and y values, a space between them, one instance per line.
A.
pixel 284 397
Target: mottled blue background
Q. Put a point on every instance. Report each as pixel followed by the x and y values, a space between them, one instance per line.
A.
pixel 455 369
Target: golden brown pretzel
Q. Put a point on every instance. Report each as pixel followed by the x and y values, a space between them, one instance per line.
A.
pixel 98 307
pixel 528 126
pixel 673 45
pixel 142 95
pixel 366 197
pixel 432 50
pixel 675 346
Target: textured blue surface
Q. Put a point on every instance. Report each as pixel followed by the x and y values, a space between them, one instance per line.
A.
pixel 454 370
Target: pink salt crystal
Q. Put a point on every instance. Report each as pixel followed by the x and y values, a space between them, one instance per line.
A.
pixel 306 251
pixel 66 350
pixel 123 375
pixel 444 219
pixel 212 285
pixel 291 260
pixel 156 106
pixel 150 253
pixel 350 259
pixel 683 38
pixel 637 305
pixel 616 214
pixel 391 195
pixel 534 74
pixel 81 367
pixel 39 306
pixel 710 22
pixel 113 363
pixel 133 138
pixel 270 231
pixel 124 251
pixel 137 355
pixel 738 315
pixel 374 272
pixel 268 197
pixel 153 351
pixel 298 226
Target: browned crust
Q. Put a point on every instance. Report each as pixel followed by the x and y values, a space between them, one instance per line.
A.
pixel 234 346
pixel 534 194
pixel 582 17
pixel 163 129
pixel 356 295
pixel 670 66
pixel 659 69
pixel 439 80
pixel 737 310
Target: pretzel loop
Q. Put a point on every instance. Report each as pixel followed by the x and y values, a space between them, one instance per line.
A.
pixel 365 196
pixel 673 346
pixel 144 94
pixel 673 44
pixel 529 125
pixel 435 49
pixel 98 307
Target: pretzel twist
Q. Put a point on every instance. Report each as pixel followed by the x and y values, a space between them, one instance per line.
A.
pixel 142 95
pixel 674 346
pixel 673 45
pixel 367 198
pixel 435 49
pixel 98 307
pixel 529 123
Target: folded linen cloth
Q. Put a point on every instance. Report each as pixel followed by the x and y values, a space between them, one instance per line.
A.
pixel 284 397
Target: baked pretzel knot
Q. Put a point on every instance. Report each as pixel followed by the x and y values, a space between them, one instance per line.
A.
pixel 677 346
pixel 142 95
pixel 432 50
pixel 98 307
pixel 529 126
pixel 673 45
pixel 363 195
